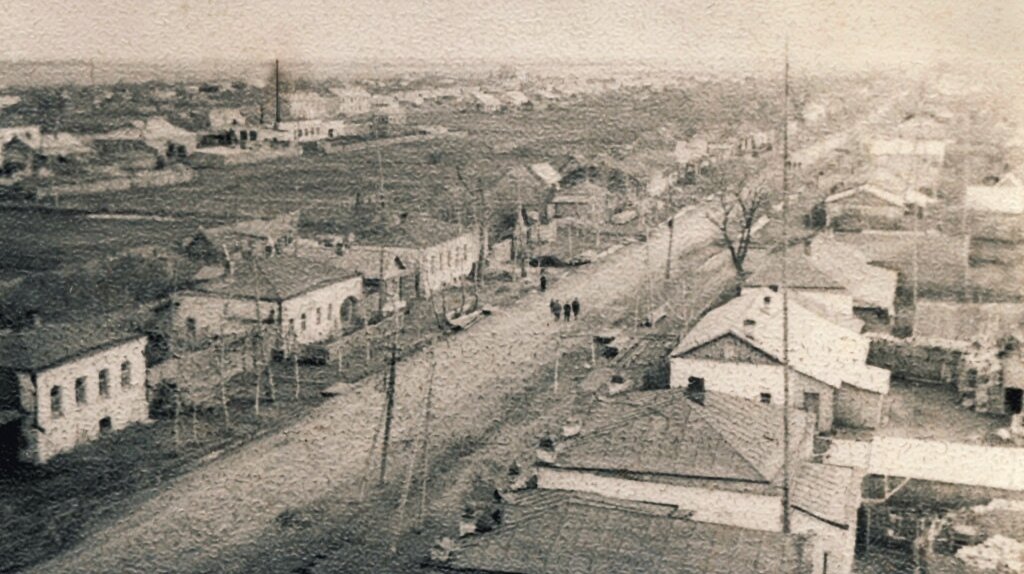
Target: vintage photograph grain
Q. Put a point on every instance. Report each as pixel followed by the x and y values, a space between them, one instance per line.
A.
pixel 512 287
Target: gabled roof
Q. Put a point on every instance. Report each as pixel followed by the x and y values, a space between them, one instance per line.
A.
pixel 270 229
pixel 546 173
pixel 578 537
pixel 666 433
pixel 801 273
pixel 275 278
pixel 414 231
pixel 870 189
pixel 995 198
pixel 818 347
pixel 367 262
pixel 870 285
pixel 52 344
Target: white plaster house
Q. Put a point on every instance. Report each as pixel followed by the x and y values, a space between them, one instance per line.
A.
pixel 65 384
pixel 833 279
pixel 716 457
pixel 442 253
pixel 737 349
pixel 816 289
pixel 299 300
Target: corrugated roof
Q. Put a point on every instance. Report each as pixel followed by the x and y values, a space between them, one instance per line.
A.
pixel 818 348
pixel 666 433
pixel 578 537
pixel 54 343
pixel 275 278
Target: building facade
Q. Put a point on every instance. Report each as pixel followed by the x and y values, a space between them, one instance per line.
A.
pixel 70 385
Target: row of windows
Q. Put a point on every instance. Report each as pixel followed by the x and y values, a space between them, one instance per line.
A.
pixel 307 132
pixel 82 389
pixel 461 256
pixel 346 313
pixel 247 135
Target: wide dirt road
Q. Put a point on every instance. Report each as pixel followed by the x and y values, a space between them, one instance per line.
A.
pixel 232 500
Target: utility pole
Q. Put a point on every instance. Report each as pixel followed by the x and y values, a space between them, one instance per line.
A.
pixel 382 287
pixel 786 519
pixel 389 407
pixel 277 93
pixel 671 234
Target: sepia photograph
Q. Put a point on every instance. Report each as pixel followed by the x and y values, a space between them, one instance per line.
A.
pixel 512 287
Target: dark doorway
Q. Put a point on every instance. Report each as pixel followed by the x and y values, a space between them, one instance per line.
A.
pixel 10 442
pixel 106 426
pixel 1013 398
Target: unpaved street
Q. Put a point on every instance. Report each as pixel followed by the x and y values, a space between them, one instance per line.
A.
pixel 230 501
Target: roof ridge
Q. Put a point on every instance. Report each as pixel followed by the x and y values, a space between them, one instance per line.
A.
pixel 731 441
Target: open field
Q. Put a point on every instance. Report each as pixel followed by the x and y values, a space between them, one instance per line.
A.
pixel 42 240
pixel 421 176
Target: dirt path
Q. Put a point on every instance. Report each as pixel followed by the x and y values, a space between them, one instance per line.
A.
pixel 231 501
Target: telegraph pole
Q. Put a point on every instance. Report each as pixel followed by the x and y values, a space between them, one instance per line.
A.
pixel 671 234
pixel 277 92
pixel 786 519
pixel 389 407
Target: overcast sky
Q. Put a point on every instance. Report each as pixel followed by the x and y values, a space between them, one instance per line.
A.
pixel 824 33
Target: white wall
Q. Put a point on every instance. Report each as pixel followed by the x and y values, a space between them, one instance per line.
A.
pixel 126 404
pixel 438 271
pixel 746 510
pixel 741 509
pixel 328 300
pixel 214 314
pixel 839 543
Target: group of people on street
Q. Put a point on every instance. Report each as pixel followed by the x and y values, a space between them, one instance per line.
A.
pixel 565 311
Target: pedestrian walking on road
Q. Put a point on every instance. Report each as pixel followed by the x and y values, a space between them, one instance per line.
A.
pixel 556 309
pixel 575 308
pixel 543 282
pixel 567 311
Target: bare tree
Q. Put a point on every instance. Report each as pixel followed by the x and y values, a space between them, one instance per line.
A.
pixel 743 196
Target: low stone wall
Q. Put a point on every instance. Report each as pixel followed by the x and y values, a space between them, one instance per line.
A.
pixel 915 362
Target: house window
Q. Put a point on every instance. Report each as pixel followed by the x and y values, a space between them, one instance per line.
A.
pixel 766 398
pixel 252 135
pixel 291 326
pixel 190 327
pixel 126 374
pixel 330 310
pixel 80 398
pixel 56 405
pixel 449 258
pixel 106 425
pixel 244 135
pixel 318 317
pixel 302 322
pixel 104 384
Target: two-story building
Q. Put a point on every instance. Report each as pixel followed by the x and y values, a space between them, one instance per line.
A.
pixel 737 349
pixel 65 384
pixel 719 459
pixel 296 300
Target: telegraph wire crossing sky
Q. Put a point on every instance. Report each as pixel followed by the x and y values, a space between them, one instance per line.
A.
pixel 709 33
